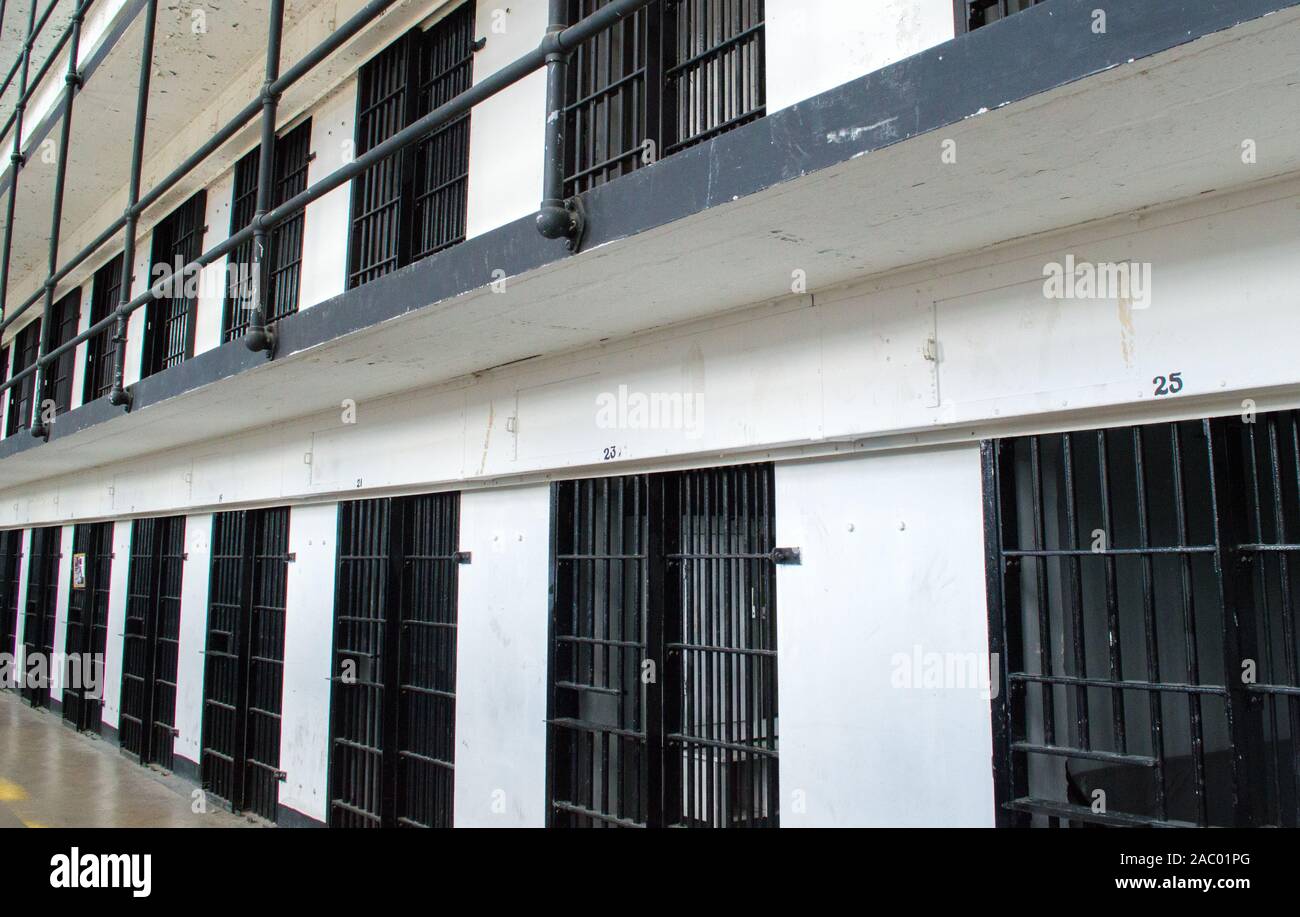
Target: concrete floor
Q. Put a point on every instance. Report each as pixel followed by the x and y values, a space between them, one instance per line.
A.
pixel 52 777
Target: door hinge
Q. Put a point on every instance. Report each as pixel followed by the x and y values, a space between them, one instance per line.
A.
pixel 787 556
pixel 463 557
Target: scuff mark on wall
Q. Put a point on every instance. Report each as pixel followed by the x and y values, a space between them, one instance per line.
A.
pixel 487 437
pixel 1127 333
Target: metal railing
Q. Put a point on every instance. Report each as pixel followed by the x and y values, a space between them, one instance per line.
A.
pixel 558 218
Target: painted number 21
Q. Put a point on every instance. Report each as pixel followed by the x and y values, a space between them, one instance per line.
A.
pixel 1170 385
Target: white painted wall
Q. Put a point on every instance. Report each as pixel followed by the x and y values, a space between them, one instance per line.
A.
pixel 326 226
pixel 501 659
pixel 79 367
pixel 507 134
pixel 842 371
pixel 5 397
pixel 308 649
pixel 212 279
pixel 135 324
pixel 892 560
pixel 816 45
pixel 111 706
pixel 61 595
pixel 196 571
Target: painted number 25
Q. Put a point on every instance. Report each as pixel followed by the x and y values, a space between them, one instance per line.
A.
pixel 1170 385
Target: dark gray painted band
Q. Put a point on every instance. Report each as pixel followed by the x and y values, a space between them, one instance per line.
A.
pixel 1043 48
pixel 286 817
pixel 109 733
pixel 186 769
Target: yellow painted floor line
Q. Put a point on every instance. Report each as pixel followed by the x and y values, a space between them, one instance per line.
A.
pixel 11 792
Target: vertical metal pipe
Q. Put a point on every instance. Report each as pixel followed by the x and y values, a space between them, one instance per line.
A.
pixel 557 218
pixel 119 395
pixel 72 82
pixel 259 337
pixel 16 159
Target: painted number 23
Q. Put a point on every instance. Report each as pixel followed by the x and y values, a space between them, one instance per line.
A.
pixel 1170 385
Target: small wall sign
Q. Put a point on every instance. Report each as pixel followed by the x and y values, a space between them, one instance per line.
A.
pixel 79 571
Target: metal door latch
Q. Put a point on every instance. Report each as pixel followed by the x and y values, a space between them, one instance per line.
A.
pixel 463 557
pixel 787 556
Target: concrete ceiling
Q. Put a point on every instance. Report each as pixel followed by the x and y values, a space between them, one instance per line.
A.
pixel 1166 128
pixel 14 33
pixel 199 79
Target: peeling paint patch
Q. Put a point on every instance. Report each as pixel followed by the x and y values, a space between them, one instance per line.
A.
pixel 851 134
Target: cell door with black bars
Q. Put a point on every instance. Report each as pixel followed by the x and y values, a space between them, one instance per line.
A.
pixel 1144 596
pixel 147 727
pixel 38 623
pixel 244 659
pixel 87 631
pixel 394 699
pixel 11 552
pixel 663 706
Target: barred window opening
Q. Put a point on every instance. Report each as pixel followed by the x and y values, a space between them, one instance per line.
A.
pixel 105 292
pixel 57 382
pixel 413 203
pixel 282 266
pixel 676 74
pixel 975 14
pixel 169 319
pixel 26 347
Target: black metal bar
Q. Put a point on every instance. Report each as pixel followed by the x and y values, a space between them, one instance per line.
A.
pixel 119 395
pixel 1112 593
pixel 1228 504
pixel 259 337
pixel 1000 575
pixel 1047 697
pixel 16 159
pixel 72 82
pixel 1150 628
pixel 1178 474
pixel 1290 611
pixel 1075 577
pixel 1289 649
pixel 557 218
